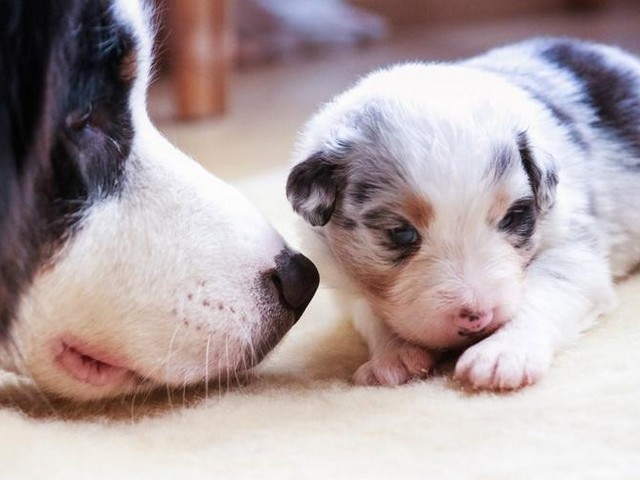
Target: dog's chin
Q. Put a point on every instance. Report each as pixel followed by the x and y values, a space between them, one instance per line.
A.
pixel 84 374
pixel 69 366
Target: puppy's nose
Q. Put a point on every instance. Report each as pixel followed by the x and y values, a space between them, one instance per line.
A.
pixel 472 320
pixel 296 279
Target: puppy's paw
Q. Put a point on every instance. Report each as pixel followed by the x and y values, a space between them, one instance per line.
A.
pixel 400 364
pixel 500 363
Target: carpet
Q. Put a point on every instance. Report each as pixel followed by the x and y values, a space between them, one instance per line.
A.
pixel 299 417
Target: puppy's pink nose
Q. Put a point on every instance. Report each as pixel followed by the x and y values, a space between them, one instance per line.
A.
pixel 471 320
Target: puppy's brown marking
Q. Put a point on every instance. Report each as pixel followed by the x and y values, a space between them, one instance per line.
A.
pixel 378 285
pixel 418 210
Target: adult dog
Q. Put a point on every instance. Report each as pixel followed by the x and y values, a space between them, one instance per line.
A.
pixel 123 264
pixel 491 201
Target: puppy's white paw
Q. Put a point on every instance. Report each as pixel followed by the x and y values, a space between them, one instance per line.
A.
pixel 400 364
pixel 501 363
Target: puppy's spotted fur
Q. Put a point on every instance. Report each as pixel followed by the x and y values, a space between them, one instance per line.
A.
pixel 484 206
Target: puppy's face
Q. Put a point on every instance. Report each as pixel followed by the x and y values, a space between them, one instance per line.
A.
pixel 429 202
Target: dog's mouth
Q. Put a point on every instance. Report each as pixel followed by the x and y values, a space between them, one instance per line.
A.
pixel 90 365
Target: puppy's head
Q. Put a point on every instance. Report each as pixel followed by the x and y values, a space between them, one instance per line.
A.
pixel 425 185
pixel 130 266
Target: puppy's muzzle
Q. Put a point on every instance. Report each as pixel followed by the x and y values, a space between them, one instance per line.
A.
pixel 296 278
pixel 473 320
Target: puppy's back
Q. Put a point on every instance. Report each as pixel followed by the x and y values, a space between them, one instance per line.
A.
pixel 593 90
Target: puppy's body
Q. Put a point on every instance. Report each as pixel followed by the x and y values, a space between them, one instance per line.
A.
pixel 485 205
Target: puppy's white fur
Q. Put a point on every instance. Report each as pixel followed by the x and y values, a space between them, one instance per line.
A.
pixel 431 137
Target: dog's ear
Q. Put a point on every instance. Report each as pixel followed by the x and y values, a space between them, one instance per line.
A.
pixel 314 185
pixel 542 172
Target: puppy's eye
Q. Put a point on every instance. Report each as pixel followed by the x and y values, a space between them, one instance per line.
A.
pixel 79 118
pixel 403 236
pixel 520 213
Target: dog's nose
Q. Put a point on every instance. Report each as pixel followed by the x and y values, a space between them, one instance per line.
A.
pixel 296 279
pixel 472 320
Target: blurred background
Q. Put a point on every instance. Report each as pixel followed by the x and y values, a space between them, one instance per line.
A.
pixel 235 79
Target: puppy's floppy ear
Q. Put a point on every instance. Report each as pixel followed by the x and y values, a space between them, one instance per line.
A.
pixel 542 173
pixel 314 185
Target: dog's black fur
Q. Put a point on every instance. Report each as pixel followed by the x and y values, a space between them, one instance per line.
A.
pixel 66 68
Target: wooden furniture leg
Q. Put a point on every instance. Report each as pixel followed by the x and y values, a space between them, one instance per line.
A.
pixel 199 39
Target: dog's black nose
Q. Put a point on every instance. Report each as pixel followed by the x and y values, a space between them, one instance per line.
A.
pixel 296 279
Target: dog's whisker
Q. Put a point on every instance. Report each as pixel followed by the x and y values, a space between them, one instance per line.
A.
pixel 219 376
pixel 133 403
pixel 248 341
pixel 206 368
pixel 140 387
pixel 227 361
pixel 167 361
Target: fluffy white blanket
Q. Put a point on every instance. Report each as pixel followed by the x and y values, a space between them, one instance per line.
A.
pixel 301 418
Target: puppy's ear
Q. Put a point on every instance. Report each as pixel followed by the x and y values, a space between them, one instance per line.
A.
pixel 542 173
pixel 314 185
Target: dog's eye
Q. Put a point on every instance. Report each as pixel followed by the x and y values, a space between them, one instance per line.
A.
pixel 79 118
pixel 403 236
pixel 519 213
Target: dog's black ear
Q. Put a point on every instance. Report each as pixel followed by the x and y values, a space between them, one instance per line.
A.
pixel 542 173
pixel 314 185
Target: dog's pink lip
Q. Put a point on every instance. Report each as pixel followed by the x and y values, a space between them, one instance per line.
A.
pixel 90 364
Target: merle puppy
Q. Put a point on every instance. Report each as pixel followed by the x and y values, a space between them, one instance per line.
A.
pixel 123 264
pixel 484 206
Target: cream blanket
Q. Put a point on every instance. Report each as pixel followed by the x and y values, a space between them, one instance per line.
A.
pixel 301 418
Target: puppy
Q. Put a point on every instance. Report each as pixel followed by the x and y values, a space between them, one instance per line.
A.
pixel 123 264
pixel 482 206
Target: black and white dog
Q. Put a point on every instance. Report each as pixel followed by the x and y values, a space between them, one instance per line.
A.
pixel 123 264
pixel 485 205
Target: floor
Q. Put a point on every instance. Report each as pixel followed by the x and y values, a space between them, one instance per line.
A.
pixel 268 105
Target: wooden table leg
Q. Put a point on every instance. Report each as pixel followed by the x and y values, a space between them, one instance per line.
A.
pixel 199 39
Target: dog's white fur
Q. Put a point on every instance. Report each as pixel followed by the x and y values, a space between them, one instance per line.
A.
pixel 433 131
pixel 161 279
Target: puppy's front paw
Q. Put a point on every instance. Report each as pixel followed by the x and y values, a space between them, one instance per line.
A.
pixel 501 363
pixel 400 364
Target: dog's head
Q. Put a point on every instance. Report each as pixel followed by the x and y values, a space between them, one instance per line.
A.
pixel 122 262
pixel 427 188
